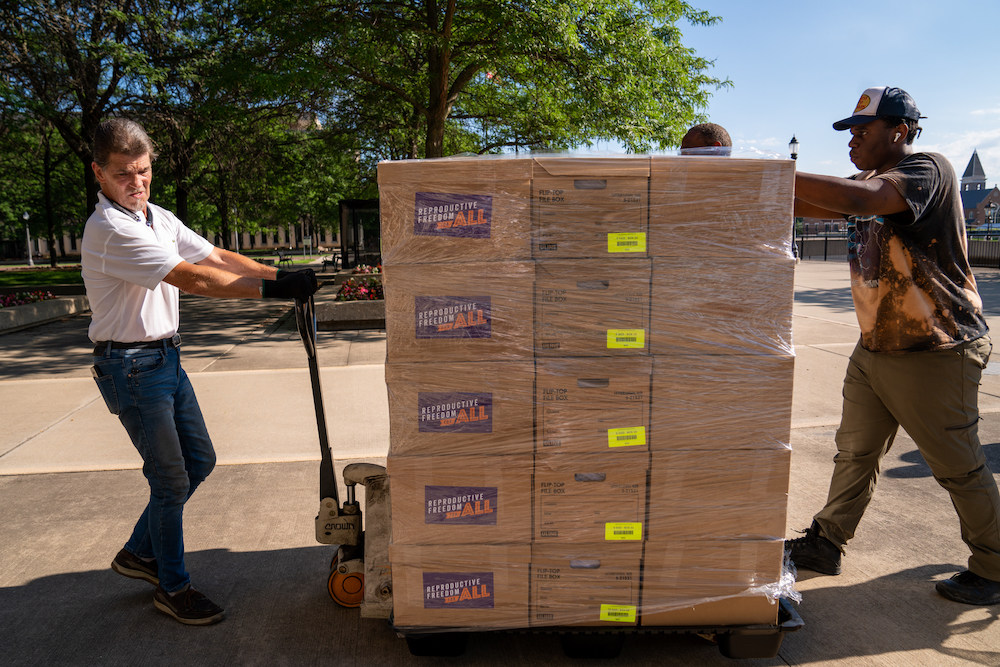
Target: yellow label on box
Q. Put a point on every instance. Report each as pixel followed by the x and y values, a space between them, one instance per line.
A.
pixel 626 339
pixel 623 613
pixel 626 437
pixel 631 242
pixel 623 531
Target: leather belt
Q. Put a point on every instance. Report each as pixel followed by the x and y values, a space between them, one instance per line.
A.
pixel 102 346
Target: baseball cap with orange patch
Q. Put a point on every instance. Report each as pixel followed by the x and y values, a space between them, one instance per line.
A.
pixel 879 102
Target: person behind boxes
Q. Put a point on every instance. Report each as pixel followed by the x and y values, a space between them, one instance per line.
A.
pixel 924 341
pixel 706 139
pixel 136 256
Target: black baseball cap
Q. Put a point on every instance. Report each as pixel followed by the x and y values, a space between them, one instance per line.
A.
pixel 879 102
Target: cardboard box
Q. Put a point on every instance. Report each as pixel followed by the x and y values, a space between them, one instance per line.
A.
pixel 445 313
pixel 710 583
pixel 585 584
pixel 590 498
pixel 592 308
pixel 482 408
pixel 721 306
pixel 455 210
pixel 592 404
pixel 720 207
pixel 731 494
pixel 461 586
pixel 460 499
pixel 721 402
pixel 589 207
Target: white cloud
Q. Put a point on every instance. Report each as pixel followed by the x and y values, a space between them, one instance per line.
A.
pixel 766 142
pixel 958 149
pixel 986 112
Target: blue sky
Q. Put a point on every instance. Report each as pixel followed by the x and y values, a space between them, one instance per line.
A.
pixel 797 67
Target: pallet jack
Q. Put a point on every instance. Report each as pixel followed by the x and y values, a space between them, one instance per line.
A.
pixel 359 570
pixel 360 575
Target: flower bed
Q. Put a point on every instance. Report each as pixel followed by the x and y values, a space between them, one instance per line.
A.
pixel 366 268
pixel 45 309
pixel 364 289
pixel 23 298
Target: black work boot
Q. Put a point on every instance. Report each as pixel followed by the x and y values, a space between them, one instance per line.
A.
pixel 970 588
pixel 814 552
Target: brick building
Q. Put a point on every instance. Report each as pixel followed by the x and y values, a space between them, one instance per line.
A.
pixel 979 202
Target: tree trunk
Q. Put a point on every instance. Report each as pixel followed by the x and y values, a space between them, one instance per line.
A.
pixel 182 169
pixel 223 207
pixel 434 146
pixel 437 108
pixel 91 185
pixel 85 150
pixel 439 72
pixel 47 189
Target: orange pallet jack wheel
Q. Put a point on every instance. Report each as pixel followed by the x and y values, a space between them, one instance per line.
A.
pixel 347 590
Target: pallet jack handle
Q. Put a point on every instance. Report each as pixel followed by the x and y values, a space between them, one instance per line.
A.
pixel 305 321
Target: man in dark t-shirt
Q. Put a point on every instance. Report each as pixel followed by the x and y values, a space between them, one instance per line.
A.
pixel 924 340
pixel 910 277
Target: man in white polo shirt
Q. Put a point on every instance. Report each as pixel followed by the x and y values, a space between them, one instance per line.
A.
pixel 137 257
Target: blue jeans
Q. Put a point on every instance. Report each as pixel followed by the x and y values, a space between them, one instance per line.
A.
pixel 153 398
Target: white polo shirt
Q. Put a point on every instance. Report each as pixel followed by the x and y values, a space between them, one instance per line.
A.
pixel 124 263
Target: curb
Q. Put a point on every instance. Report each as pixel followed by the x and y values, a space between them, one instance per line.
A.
pixel 343 315
pixel 21 317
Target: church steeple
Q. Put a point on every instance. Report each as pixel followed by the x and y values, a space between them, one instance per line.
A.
pixel 974 177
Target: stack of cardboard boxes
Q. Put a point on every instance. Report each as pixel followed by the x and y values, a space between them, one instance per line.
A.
pixel 589 368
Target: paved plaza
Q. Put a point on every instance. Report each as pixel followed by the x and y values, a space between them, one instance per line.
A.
pixel 70 489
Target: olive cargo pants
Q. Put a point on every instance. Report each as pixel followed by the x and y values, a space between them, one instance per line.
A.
pixel 934 396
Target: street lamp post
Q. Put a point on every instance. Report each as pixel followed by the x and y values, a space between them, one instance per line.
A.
pixel 793 149
pixel 31 260
pixel 990 218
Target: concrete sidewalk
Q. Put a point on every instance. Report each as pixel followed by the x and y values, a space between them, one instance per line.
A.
pixel 249 528
pixel 249 370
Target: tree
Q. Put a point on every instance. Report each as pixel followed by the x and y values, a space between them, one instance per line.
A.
pixel 66 62
pixel 59 199
pixel 507 72
pixel 37 177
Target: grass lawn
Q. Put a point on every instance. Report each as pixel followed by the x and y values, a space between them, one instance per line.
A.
pixel 40 277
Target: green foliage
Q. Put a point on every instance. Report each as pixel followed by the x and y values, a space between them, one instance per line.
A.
pixel 416 78
pixel 38 176
pixel 70 63
pixel 268 114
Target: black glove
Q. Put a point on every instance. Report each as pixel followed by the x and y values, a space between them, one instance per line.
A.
pixel 282 273
pixel 293 285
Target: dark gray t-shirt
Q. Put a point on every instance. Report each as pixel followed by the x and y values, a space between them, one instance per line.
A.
pixel 911 282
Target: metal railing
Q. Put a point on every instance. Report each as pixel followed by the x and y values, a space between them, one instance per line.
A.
pixel 828 247
pixel 984 249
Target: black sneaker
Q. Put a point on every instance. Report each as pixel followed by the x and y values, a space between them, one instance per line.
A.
pixel 131 566
pixel 970 588
pixel 814 552
pixel 189 607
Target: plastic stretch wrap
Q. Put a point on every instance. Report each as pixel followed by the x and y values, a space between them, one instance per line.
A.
pixel 721 402
pixel 589 367
pixel 724 306
pixel 733 494
pixel 720 207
